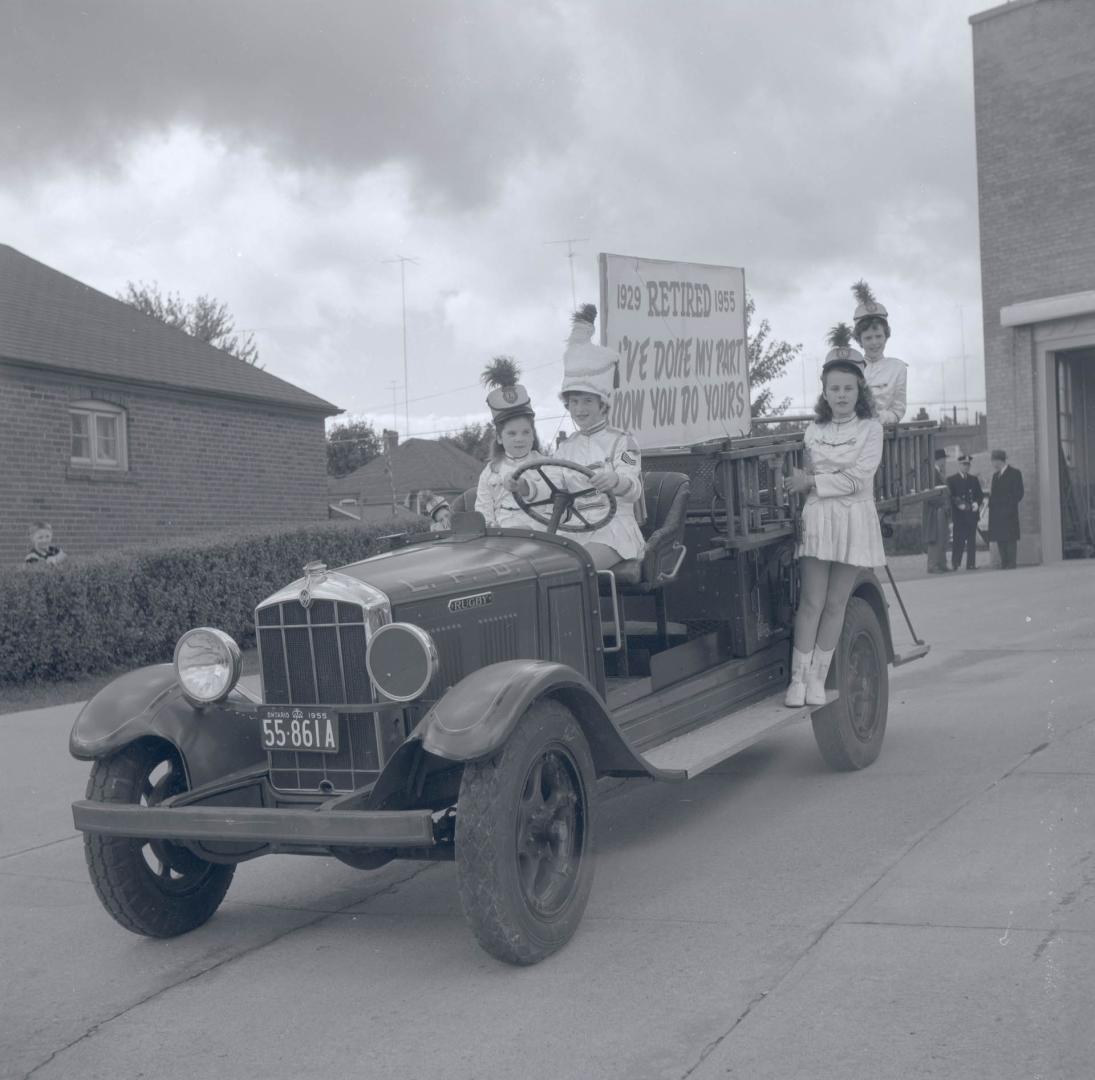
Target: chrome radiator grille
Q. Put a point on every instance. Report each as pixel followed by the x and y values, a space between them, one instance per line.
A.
pixel 356 763
pixel 313 656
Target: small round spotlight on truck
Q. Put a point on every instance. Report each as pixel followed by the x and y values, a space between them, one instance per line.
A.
pixel 401 661
pixel 207 665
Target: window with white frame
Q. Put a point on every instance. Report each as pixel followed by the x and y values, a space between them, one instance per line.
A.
pixel 98 435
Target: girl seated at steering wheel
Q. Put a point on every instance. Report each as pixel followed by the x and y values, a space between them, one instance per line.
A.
pixel 612 455
pixel 515 444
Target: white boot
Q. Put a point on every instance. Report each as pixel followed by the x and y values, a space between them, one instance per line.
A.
pixel 795 697
pixel 815 676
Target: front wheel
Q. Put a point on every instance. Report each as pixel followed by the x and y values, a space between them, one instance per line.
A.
pixel 524 837
pixel 849 732
pixel 152 887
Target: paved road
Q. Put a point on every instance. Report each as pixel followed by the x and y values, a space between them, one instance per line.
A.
pixel 932 916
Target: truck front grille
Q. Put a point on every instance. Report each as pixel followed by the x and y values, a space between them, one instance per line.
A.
pixel 357 762
pixel 313 656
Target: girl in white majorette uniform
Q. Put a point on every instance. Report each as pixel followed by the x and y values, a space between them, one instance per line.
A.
pixel 840 530
pixel 515 439
pixel 588 381
pixel 886 375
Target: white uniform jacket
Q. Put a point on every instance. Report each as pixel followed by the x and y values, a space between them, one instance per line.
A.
pixel 887 378
pixel 604 446
pixel 497 505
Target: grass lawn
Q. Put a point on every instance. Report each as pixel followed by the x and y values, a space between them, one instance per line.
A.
pixel 41 695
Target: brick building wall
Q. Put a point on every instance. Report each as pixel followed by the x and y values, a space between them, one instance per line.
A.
pixel 197 463
pixel 1034 90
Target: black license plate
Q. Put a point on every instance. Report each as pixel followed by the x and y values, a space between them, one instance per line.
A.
pixel 292 727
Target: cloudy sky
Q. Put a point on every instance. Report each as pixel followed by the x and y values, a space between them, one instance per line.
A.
pixel 279 153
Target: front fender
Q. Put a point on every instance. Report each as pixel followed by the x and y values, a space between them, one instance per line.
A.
pixel 867 587
pixel 477 715
pixel 148 703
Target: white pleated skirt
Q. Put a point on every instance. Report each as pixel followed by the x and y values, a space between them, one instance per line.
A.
pixel 841 530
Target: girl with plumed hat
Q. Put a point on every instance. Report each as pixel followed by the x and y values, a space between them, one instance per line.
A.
pixel 840 530
pixel 515 441
pixel 589 375
pixel 886 375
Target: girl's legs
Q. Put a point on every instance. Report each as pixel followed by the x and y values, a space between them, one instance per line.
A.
pixel 841 579
pixel 811 602
pixel 811 606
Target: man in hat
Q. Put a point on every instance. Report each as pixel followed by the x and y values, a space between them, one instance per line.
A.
pixel 966 500
pixel 1005 494
pixel 936 519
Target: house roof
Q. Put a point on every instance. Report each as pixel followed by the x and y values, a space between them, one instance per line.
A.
pixel 418 465
pixel 378 514
pixel 48 319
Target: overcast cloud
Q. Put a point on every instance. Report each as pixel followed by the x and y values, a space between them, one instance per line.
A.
pixel 275 154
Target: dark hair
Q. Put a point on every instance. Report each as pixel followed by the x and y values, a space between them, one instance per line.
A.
pixel 869 322
pixel 998 455
pixel 497 452
pixel 864 404
pixel 605 407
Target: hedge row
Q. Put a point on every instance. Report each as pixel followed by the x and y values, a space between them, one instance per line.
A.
pixel 128 607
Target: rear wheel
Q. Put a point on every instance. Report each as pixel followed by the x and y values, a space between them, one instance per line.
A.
pixel 524 837
pixel 849 732
pixel 152 887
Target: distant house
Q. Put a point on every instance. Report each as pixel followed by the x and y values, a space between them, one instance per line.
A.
pixel 119 429
pixel 407 469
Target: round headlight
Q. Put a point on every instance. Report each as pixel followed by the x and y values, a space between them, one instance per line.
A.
pixel 207 664
pixel 401 660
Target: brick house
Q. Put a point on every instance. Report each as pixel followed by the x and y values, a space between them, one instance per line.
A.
pixel 410 468
pixel 118 429
pixel 1034 88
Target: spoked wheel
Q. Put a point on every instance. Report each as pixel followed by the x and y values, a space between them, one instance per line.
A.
pixel 849 732
pixel 524 837
pixel 152 887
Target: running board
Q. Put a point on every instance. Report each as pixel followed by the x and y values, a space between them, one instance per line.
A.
pixel 913 652
pixel 705 747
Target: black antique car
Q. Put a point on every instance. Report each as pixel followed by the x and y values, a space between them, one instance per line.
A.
pixel 459 696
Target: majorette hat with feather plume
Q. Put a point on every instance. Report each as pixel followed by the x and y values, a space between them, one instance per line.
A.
pixel 842 356
pixel 508 398
pixel 588 368
pixel 840 338
pixel 867 307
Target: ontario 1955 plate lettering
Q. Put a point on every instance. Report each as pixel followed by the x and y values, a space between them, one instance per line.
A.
pixel 287 727
pixel 462 603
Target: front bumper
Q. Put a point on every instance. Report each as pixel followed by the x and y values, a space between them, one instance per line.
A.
pixel 291 827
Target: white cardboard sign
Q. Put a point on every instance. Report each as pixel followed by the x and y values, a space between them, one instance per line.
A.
pixel 680 331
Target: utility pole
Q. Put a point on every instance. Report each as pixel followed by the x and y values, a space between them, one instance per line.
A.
pixel 570 242
pixel 403 260
pixel 962 336
pixel 395 406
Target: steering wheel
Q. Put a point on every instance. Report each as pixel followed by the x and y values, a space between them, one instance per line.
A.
pixel 561 500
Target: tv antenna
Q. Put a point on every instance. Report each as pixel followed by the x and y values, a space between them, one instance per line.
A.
pixel 403 260
pixel 570 242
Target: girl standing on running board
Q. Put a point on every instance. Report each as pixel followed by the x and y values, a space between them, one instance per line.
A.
pixel 840 530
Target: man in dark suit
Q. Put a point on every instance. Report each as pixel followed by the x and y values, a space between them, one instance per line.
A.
pixel 1005 494
pixel 936 519
pixel 966 499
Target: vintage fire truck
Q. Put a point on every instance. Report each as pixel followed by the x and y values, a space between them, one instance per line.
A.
pixel 459 696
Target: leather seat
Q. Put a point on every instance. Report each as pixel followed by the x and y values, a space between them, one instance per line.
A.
pixel 464 502
pixel 666 495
